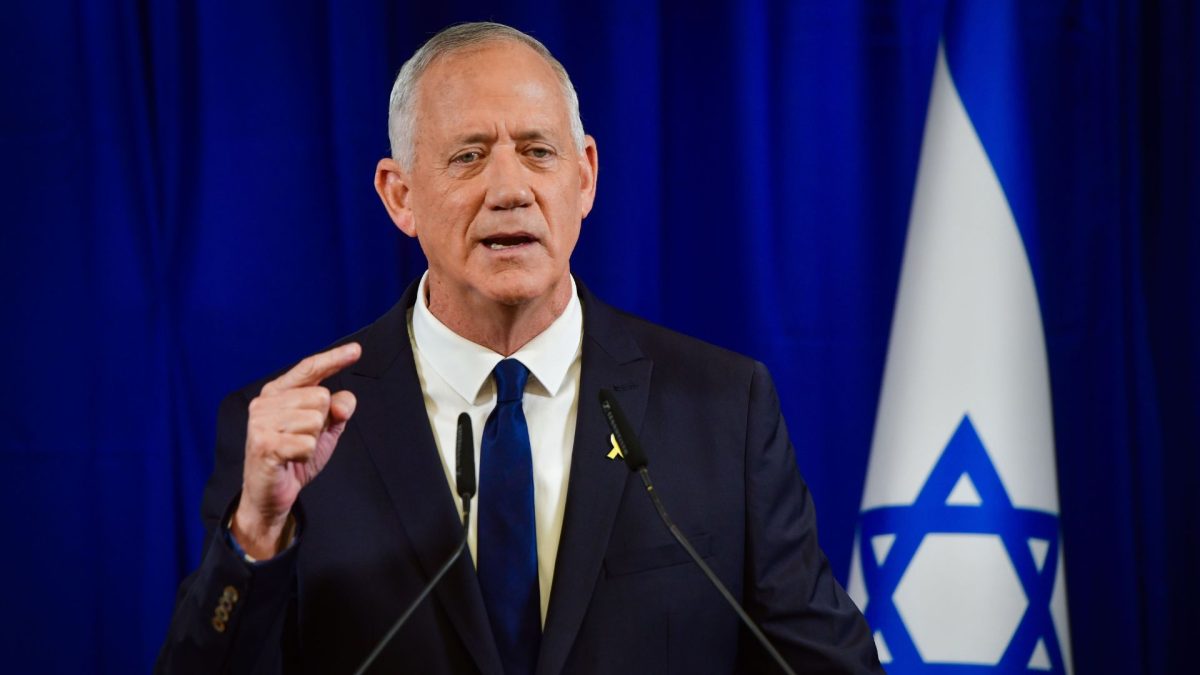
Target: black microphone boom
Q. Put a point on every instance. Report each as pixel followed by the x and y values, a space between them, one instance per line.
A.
pixel 464 459
pixel 464 449
pixel 630 447
pixel 635 459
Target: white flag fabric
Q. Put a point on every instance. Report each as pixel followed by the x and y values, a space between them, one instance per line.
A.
pixel 958 562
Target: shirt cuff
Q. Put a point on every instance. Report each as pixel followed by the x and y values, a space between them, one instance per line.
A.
pixel 289 535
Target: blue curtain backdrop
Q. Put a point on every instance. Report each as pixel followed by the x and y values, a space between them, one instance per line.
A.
pixel 186 189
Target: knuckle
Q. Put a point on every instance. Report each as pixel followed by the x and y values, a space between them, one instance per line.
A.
pixel 323 396
pixel 308 444
pixel 299 422
pixel 256 445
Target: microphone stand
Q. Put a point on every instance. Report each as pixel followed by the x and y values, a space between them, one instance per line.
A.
pixel 635 459
pixel 462 545
pixel 466 489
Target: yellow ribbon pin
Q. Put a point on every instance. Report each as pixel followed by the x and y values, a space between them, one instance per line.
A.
pixel 616 449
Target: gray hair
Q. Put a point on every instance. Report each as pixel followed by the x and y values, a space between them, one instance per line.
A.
pixel 402 105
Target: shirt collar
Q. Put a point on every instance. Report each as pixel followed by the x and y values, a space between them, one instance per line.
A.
pixel 466 366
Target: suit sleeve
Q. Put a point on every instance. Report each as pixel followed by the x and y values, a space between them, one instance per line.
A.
pixel 789 587
pixel 231 616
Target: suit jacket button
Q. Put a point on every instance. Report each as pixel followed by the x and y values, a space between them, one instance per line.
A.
pixel 230 594
pixel 218 625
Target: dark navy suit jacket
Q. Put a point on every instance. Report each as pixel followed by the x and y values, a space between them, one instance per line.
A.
pixel 379 520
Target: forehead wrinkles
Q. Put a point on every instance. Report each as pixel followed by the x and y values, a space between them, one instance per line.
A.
pixel 490 84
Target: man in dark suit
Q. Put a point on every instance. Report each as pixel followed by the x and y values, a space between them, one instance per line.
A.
pixel 331 503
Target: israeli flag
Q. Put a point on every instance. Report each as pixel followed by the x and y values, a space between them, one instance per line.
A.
pixel 958 562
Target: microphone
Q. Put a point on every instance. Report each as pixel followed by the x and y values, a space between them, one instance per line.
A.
pixel 635 459
pixel 464 463
pixel 464 470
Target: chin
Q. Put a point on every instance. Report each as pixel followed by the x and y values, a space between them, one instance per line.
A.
pixel 518 289
pixel 514 294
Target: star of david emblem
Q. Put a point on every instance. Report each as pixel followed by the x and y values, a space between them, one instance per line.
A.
pixel 961 580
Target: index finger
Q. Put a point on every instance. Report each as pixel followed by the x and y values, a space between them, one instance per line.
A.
pixel 317 367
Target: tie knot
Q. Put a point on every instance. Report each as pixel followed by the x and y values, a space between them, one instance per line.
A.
pixel 511 376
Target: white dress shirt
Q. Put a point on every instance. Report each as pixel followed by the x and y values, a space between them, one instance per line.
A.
pixel 455 376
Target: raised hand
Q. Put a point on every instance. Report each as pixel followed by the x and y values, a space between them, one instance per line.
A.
pixel 293 427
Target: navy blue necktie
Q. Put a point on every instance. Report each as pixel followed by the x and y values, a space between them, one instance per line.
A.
pixel 507 546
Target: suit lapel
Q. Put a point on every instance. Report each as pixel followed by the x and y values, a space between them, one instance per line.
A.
pixel 611 360
pixel 395 428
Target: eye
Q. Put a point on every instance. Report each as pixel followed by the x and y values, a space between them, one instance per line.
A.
pixel 540 152
pixel 468 157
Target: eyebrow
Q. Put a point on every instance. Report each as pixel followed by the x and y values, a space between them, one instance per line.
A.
pixel 532 135
pixel 478 137
pixel 485 137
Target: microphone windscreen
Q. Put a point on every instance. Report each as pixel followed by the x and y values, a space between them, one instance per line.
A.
pixel 464 448
pixel 635 458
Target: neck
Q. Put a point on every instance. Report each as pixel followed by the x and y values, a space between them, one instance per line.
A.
pixel 501 327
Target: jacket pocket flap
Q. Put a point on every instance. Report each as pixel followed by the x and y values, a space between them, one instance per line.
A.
pixel 666 555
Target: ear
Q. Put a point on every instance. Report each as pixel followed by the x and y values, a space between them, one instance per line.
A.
pixel 589 169
pixel 392 184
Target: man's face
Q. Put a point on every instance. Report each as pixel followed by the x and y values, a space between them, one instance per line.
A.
pixel 497 189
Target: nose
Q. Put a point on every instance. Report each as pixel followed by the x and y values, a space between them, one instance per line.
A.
pixel 508 184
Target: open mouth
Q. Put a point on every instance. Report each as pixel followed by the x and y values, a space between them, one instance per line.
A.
pixel 505 242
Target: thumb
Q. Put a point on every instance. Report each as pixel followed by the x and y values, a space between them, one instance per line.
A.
pixel 341 407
